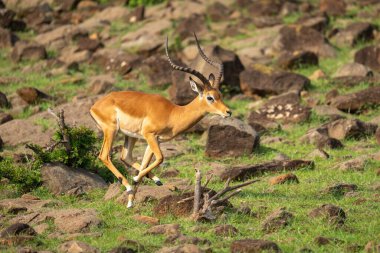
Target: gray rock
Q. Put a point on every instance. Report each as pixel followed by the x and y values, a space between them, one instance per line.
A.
pixel 254 245
pixel 277 220
pixel 353 69
pixel 76 247
pixel 334 214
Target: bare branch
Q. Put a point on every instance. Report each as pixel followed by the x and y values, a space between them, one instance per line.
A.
pixel 197 191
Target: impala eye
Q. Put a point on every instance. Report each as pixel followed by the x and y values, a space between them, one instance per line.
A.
pixel 210 99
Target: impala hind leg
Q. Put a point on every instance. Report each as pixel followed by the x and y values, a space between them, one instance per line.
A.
pixel 104 156
pixel 155 148
pixel 127 158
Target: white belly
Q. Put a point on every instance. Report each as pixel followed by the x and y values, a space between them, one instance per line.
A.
pixel 129 125
pixel 131 134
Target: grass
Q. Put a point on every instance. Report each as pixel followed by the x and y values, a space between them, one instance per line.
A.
pixel 363 218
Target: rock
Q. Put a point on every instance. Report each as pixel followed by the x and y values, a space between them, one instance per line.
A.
pixel 239 138
pixel 262 8
pixel 277 220
pixel 253 245
pixel 1 145
pixel 282 179
pixel 377 135
pixel 17 229
pixel 180 92
pixel 334 214
pixel 65 220
pixel 285 108
pixel 296 38
pixel 271 140
pixel 372 247
pixel 260 123
pixel 114 190
pixel 320 138
pixel 340 189
pixel 320 240
pixel 146 219
pixel 138 14
pixel 354 33
pixel 353 69
pixel 87 44
pixel 265 81
pixel 101 84
pixel 21 204
pixel 7 38
pixel 355 164
pixel 195 22
pixel 114 60
pixel 155 69
pixel 266 21
pixel 169 205
pixel 72 55
pixel 351 81
pixel 291 60
pixel 32 95
pixel 185 248
pixel 59 37
pixel 355 101
pixel 171 172
pixel 333 7
pixel 24 50
pixel 184 239
pixel 318 153
pixel 61 179
pixel 164 229
pixel 3 100
pixel 76 247
pixel 318 23
pixel 218 11
pixel 245 172
pixel 350 128
pixel 231 63
pixel 317 75
pixel 369 56
pixel 5 117
pixel 225 230
pixel 128 246
pixel 146 46
pixel 6 17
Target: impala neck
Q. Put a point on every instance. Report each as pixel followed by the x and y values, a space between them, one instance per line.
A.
pixel 184 117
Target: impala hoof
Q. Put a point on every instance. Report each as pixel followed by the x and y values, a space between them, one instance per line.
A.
pixel 158 183
pixel 130 204
pixel 135 180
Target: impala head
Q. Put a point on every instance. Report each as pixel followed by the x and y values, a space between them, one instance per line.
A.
pixel 208 88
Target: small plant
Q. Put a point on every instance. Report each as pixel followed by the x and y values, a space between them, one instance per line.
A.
pixel 135 3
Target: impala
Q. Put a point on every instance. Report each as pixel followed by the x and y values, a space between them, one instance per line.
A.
pixel 154 118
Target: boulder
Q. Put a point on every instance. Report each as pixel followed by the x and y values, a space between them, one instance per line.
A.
pixel 155 70
pixel 334 214
pixel 23 204
pixel 266 21
pixel 282 179
pixel 24 50
pixel 6 17
pixel 164 229
pixel 7 38
pixel 71 55
pixel 238 138
pixel 318 153
pixel 318 23
pixel 254 245
pixel 350 128
pixel 340 189
pixel 301 38
pixel 3 100
pixel 263 81
pixel 60 37
pixel 320 138
pixel 245 172
pixel 101 84
pixel 111 60
pixel 333 7
pixel 285 108
pixel 369 56
pixel 17 229
pixel 138 14
pixel 37 17
pixel 377 135
pixel 218 11
pixel 354 33
pixel 225 230
pixel 262 8
pixel 194 23
pixel 61 179
pixel 353 69
pixel 76 247
pixel 277 220
pixel 88 44
pixel 355 164
pixel 180 91
pixel 32 95
pixel 146 45
pixel 65 220
pixel 185 248
pixel 146 219
pixel 292 60
pixel 353 102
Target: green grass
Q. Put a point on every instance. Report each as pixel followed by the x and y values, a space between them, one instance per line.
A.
pixel 363 219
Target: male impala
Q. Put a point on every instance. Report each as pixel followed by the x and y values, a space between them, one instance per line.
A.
pixel 154 118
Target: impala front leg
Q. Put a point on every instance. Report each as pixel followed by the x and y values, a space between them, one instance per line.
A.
pixel 155 148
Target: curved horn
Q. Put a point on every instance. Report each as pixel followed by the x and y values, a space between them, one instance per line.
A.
pixel 185 69
pixel 217 65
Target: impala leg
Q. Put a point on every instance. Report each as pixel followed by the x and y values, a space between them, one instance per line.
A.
pixel 126 156
pixel 153 145
pixel 104 156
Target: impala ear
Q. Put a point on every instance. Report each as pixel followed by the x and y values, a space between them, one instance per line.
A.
pixel 211 79
pixel 196 87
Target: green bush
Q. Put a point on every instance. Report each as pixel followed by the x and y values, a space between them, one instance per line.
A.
pixel 27 177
